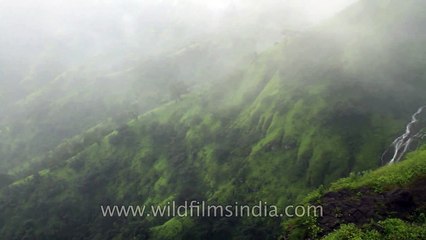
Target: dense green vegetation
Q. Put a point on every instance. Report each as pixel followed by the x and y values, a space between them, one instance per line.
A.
pixel 391 229
pixel 309 111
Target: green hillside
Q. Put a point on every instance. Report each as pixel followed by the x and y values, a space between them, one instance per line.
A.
pixel 305 113
pixel 107 90
pixel 388 203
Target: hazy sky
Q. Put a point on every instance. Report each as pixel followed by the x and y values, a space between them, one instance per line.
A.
pixel 91 27
pixel 56 16
pixel 317 10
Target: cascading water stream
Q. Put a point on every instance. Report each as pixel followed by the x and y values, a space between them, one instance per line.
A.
pixel 402 144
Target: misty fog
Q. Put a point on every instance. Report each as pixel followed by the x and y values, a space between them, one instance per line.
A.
pixel 120 58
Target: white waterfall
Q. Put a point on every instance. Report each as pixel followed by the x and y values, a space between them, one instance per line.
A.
pixel 401 144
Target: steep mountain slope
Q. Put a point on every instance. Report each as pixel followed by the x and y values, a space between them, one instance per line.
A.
pixel 105 89
pixel 309 111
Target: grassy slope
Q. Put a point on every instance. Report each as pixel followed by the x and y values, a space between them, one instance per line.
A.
pixel 403 175
pixel 306 113
pixel 106 89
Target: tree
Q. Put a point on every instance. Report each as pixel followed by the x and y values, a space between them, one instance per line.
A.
pixel 177 89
